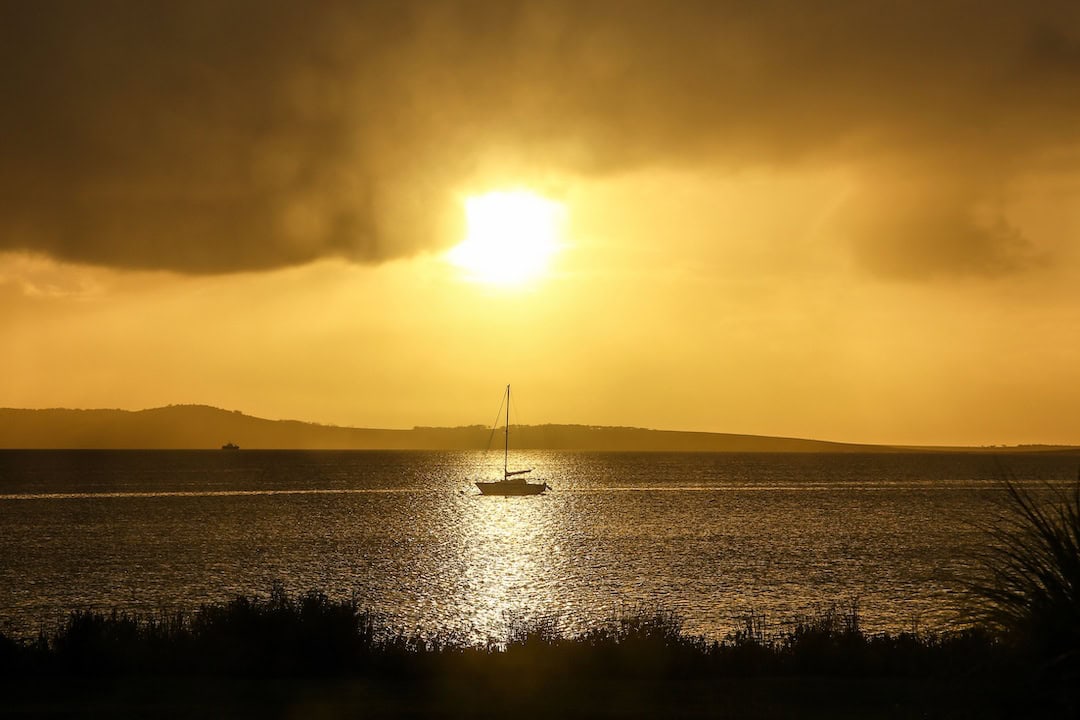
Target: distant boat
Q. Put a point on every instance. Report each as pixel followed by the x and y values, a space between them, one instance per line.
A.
pixel 230 446
pixel 512 482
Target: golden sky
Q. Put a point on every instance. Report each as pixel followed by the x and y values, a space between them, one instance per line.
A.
pixel 854 221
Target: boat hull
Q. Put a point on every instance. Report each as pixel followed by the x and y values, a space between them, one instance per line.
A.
pixel 511 487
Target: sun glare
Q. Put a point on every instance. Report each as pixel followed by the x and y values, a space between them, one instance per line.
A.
pixel 511 236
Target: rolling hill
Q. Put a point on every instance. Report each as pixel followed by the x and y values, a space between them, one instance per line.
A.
pixel 205 427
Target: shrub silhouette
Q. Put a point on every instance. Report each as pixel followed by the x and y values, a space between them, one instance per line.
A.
pixel 310 633
pixel 830 640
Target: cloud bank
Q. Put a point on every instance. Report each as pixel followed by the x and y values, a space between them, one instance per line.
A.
pixel 207 137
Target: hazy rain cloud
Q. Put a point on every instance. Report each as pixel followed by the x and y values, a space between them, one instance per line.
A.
pixel 209 137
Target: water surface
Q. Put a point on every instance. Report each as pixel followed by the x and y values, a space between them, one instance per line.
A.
pixel 708 535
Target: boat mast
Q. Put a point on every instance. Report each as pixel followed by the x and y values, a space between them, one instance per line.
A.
pixel 506 436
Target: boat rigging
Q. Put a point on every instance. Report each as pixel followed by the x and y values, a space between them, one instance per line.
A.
pixel 513 482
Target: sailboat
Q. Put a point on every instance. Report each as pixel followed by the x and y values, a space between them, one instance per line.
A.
pixel 513 481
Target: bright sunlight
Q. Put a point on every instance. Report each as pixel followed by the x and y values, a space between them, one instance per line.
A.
pixel 511 236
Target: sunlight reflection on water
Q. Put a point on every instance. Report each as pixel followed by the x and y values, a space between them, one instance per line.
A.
pixel 709 536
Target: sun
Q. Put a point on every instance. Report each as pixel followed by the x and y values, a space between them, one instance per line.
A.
pixel 511 236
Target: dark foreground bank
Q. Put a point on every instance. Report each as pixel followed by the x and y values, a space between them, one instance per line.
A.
pixel 310 656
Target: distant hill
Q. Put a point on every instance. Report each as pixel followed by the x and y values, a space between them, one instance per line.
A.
pixel 201 426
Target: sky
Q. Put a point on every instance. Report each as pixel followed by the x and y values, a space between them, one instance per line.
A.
pixel 853 221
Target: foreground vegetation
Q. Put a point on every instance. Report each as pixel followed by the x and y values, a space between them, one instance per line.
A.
pixel 277 649
pixel 312 655
pixel 1029 593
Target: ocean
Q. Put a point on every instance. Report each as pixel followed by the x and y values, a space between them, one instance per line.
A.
pixel 712 537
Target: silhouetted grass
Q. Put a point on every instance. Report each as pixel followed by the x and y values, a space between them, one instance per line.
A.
pixel 640 657
pixel 1028 594
pixel 313 634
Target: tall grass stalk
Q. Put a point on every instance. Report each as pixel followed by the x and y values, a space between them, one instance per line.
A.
pixel 1029 589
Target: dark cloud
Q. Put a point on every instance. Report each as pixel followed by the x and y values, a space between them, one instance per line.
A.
pixel 220 136
pixel 933 225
